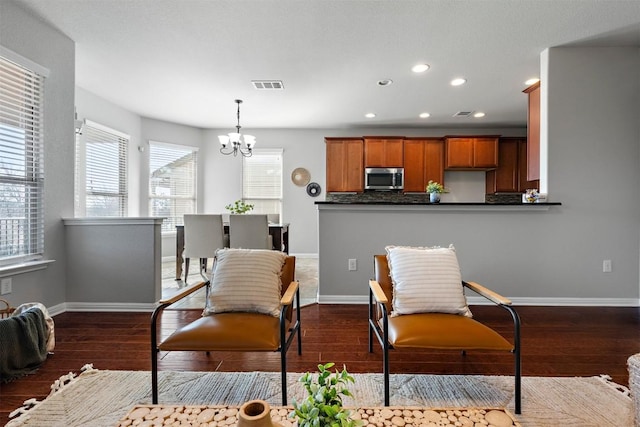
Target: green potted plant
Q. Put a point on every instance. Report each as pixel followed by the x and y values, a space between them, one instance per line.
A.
pixel 239 207
pixel 434 189
pixel 323 405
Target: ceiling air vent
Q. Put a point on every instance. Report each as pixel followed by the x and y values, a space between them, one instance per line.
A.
pixel 267 84
pixel 463 114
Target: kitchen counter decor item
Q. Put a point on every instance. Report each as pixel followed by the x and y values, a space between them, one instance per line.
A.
pixel 300 177
pixel 434 189
pixel 531 195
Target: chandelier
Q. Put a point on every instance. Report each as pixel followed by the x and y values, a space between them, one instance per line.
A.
pixel 237 139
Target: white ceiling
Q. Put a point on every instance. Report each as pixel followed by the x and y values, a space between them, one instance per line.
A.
pixel 185 61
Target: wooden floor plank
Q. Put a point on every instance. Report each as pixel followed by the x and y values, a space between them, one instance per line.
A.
pixel 556 341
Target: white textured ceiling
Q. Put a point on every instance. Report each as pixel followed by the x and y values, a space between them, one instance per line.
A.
pixel 185 61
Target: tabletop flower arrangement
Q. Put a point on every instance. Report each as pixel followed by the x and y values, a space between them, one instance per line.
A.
pixel 239 207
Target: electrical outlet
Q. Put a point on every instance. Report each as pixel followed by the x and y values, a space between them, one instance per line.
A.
pixel 606 266
pixel 353 264
pixel 5 286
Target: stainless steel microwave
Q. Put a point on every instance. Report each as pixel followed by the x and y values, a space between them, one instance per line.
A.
pixel 384 178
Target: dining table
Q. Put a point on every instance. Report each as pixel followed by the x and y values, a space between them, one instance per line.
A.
pixel 279 233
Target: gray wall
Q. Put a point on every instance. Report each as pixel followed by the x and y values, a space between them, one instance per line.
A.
pixel 552 257
pixel 594 139
pixel 115 263
pixel 35 40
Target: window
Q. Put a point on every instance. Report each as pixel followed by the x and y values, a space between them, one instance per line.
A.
pixel 21 161
pixel 172 182
pixel 101 172
pixel 262 181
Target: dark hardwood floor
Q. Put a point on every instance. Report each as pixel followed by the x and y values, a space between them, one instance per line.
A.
pixel 556 341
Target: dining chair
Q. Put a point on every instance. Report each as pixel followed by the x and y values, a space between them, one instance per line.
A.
pixel 203 236
pixel 249 231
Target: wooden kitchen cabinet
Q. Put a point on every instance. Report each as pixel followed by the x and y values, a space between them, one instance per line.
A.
pixel 523 163
pixel 533 132
pixel 423 161
pixel 383 152
pixel 511 174
pixel 477 152
pixel 345 167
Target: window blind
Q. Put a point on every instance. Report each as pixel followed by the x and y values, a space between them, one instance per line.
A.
pixel 101 184
pixel 21 163
pixel 262 181
pixel 172 182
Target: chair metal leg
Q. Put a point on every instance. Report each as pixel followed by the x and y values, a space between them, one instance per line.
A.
pixel 283 370
pixel 283 358
pixel 154 353
pixel 298 321
pixel 371 312
pixel 517 357
pixel 186 269
pixel 385 356
pixel 385 367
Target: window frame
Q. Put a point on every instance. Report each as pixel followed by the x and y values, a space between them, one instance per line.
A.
pixel 22 141
pixel 250 198
pixel 169 226
pixel 81 192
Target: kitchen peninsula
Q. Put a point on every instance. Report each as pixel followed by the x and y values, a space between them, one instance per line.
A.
pixel 498 244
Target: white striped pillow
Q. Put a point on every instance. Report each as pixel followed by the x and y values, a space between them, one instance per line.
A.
pixel 246 280
pixel 426 280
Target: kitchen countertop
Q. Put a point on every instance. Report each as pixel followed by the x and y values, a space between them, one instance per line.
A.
pixel 414 203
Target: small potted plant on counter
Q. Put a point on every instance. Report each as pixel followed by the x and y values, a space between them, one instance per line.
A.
pixel 323 405
pixel 434 189
pixel 239 207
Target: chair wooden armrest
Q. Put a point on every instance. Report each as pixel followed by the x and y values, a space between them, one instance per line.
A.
pixel 287 298
pixel 487 293
pixel 378 293
pixel 182 294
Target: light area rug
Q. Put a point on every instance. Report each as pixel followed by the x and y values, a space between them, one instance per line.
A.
pixel 101 398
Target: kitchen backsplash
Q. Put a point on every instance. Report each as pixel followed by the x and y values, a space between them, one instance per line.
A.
pixel 398 197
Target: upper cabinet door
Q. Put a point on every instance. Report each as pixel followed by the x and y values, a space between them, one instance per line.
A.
pixel 383 152
pixel 345 170
pixel 533 132
pixel 423 161
pixel 485 153
pixel 459 153
pixel 471 153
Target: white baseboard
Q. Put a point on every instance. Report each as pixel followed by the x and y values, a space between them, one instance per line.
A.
pixel 56 309
pixel 549 302
pixel 109 306
pixel 360 299
pixel 172 258
pixel 304 255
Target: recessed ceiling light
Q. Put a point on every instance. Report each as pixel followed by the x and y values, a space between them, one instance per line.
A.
pixel 370 115
pixel 420 68
pixel 458 82
pixel 479 114
pixel 424 115
pixel 531 81
pixel 385 82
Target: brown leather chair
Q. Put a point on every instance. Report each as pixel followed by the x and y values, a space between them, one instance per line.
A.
pixel 234 331
pixel 434 330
